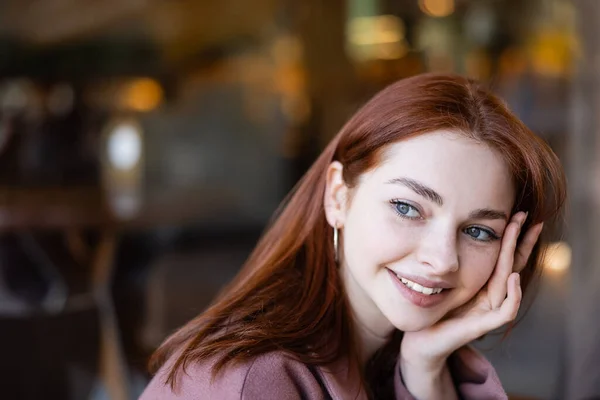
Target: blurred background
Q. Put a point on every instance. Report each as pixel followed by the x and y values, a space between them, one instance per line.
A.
pixel 144 145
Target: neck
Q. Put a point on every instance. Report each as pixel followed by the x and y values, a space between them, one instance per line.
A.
pixel 369 341
pixel 372 328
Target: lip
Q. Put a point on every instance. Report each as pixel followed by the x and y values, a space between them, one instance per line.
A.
pixel 425 282
pixel 416 298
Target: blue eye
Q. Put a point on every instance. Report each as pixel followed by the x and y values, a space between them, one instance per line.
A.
pixel 405 210
pixel 481 234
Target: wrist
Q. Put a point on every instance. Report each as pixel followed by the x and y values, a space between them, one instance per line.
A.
pixel 431 368
pixel 427 380
pixel 427 363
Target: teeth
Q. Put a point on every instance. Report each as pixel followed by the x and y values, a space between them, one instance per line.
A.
pixel 427 290
pixel 421 289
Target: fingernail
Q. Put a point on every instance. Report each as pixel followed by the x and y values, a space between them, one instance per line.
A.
pixel 522 220
pixel 518 279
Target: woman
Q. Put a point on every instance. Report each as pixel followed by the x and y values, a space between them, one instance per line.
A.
pixel 414 233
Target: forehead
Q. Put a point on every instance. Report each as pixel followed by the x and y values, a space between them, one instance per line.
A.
pixel 457 167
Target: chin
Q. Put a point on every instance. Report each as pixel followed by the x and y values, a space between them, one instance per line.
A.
pixel 412 325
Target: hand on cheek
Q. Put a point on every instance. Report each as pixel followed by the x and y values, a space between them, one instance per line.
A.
pixel 496 304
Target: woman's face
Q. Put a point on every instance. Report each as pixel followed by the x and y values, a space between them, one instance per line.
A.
pixel 421 232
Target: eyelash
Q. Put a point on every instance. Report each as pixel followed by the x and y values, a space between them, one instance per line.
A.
pixel 395 203
pixel 492 235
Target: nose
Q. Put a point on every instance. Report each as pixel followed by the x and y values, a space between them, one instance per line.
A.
pixel 438 250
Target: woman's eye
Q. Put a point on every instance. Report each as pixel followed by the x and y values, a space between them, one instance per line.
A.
pixel 480 234
pixel 405 210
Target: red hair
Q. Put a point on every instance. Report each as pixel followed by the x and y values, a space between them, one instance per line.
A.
pixel 289 296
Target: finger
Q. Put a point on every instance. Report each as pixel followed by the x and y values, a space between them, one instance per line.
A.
pixel 510 306
pixel 504 265
pixel 526 246
pixel 508 310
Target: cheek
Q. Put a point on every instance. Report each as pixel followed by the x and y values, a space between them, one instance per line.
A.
pixel 376 237
pixel 478 266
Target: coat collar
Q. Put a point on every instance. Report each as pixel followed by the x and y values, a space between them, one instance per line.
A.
pixel 342 381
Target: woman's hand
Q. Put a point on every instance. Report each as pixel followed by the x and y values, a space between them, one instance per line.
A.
pixel 424 353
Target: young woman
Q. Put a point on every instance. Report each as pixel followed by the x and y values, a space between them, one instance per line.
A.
pixel 414 233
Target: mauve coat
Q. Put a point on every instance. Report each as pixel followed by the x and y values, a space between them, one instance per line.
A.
pixel 274 376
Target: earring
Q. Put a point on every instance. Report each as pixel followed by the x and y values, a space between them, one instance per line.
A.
pixel 335 244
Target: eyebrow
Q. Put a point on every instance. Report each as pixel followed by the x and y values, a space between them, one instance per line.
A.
pixel 432 195
pixel 419 189
pixel 486 213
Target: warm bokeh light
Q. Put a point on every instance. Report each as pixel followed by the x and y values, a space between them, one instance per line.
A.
pixel 557 256
pixel 377 37
pixel 376 30
pixel 437 8
pixel 552 52
pixel 142 95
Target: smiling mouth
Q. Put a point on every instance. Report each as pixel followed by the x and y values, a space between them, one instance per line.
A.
pixel 419 288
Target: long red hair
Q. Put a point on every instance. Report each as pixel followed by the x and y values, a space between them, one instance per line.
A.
pixel 289 296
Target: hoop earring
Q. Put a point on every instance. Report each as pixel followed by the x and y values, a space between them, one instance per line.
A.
pixel 335 244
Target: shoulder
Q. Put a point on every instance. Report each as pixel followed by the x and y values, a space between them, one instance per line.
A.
pixel 269 376
pixel 277 376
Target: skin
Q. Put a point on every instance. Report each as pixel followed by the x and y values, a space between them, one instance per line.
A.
pixel 419 214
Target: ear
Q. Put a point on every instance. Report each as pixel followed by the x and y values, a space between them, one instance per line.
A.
pixel 336 195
